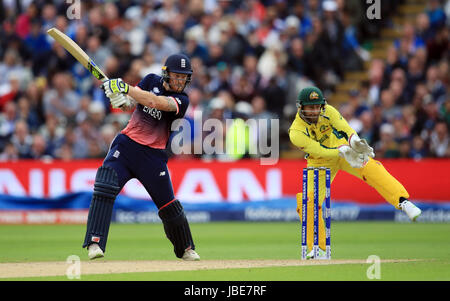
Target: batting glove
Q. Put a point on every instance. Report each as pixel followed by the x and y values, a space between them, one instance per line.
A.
pixel 360 145
pixel 356 160
pixel 119 100
pixel 115 86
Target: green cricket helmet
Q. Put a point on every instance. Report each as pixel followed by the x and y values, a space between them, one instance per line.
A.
pixel 310 96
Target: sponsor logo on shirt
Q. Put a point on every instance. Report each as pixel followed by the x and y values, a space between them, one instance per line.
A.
pixel 157 114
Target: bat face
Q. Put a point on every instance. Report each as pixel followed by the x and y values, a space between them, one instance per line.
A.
pixel 77 53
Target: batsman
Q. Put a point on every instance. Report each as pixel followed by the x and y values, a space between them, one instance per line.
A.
pixel 328 141
pixel 138 152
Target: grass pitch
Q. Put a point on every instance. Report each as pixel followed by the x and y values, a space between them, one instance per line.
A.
pixel 425 245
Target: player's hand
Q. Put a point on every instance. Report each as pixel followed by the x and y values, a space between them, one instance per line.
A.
pixel 119 100
pixel 355 159
pixel 116 86
pixel 360 145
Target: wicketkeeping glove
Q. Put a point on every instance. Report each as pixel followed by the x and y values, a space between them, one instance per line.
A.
pixel 360 145
pixel 115 86
pixel 356 160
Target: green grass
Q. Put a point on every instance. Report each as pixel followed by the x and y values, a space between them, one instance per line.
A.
pixel 429 243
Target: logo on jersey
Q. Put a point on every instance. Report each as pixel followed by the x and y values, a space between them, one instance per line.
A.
pixel 152 112
pixel 156 90
pixel 183 63
pixel 324 128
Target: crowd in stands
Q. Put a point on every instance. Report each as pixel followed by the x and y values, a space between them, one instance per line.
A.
pixel 250 59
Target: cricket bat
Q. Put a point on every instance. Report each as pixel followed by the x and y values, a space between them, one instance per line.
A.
pixel 77 53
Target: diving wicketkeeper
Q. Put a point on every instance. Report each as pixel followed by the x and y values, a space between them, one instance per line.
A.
pixel 320 131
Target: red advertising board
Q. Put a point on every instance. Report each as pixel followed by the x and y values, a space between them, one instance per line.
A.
pixel 242 181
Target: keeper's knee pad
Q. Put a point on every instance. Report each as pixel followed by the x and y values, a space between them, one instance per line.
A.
pixel 106 188
pixel 176 227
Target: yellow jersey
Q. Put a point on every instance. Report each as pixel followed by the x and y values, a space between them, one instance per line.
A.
pixel 322 139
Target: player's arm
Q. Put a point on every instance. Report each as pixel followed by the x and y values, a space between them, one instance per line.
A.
pixel 159 102
pixel 304 142
pixel 342 126
pixel 129 105
pixel 145 98
pixel 308 145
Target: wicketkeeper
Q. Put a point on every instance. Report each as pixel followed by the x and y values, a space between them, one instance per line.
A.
pixel 320 131
pixel 138 152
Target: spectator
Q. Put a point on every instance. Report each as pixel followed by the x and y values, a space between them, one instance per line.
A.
pixel 305 21
pixel 96 114
pixel 367 127
pixel 357 104
pixel 296 61
pixel 434 85
pixel 23 24
pixel 352 52
pixel 259 109
pixel 53 133
pixel 418 148
pixel 8 120
pixel 38 148
pixel 415 74
pixel 61 101
pixel 398 85
pixel 404 148
pixel 439 140
pixel 194 45
pixel 424 30
pixel 36 42
pixel 233 43
pixel 9 91
pixel 28 115
pixel 64 153
pixel 437 47
pixel 390 109
pixel 348 112
pixel 96 51
pixel 387 147
pixel 161 45
pixel 409 41
pixel 375 80
pixel 445 111
pixel 108 133
pixel 10 65
pixel 10 153
pixel 133 32
pixel 436 14
pixel 22 140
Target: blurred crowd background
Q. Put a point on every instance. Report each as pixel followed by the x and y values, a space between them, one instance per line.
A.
pixel 250 60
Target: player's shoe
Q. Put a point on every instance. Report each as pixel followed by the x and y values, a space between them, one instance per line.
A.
pixel 322 254
pixel 190 255
pixel 411 210
pixel 95 251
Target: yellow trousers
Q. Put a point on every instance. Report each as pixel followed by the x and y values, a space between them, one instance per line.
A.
pixel 373 173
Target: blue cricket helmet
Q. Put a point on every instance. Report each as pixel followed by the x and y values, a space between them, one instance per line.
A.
pixel 177 63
